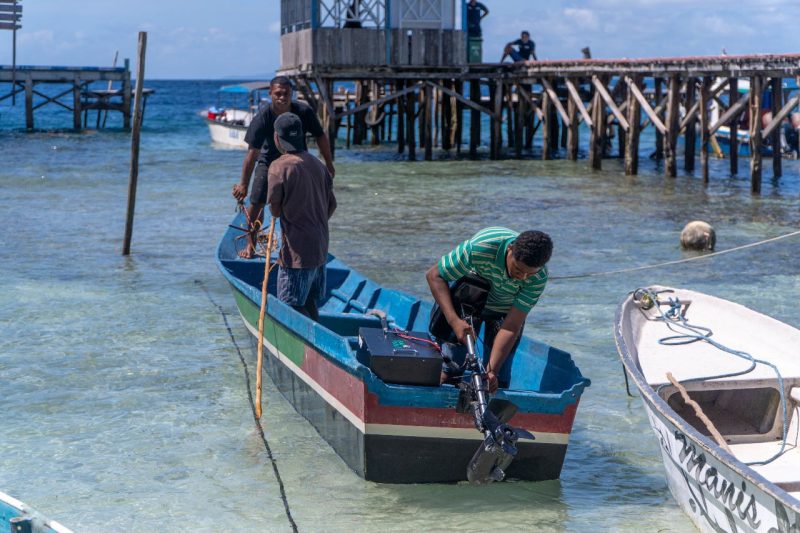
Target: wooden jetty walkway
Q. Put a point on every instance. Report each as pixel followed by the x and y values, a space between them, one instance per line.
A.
pixel 75 85
pixel 410 71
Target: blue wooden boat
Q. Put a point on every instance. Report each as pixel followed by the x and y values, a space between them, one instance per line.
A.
pixel 387 432
pixel 15 516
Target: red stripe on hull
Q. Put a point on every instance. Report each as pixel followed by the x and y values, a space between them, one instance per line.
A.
pixel 352 393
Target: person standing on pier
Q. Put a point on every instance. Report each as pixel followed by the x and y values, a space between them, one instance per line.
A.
pixel 262 150
pixel 476 11
pixel 526 48
pixel 300 193
pixel 515 266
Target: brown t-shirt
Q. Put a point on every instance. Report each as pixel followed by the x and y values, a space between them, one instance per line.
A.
pixel 301 187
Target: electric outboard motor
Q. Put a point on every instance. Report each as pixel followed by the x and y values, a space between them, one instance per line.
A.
pixel 499 443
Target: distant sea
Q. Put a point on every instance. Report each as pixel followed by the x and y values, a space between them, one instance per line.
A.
pixel 123 396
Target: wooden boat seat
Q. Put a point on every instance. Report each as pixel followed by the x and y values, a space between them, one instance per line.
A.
pixel 783 471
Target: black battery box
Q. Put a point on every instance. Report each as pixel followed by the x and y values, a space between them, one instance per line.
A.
pixel 401 360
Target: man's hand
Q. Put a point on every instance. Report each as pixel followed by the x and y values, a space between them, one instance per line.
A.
pixel 492 382
pixel 239 192
pixel 461 328
pixel 331 169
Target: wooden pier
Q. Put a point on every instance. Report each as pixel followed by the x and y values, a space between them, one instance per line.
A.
pixel 412 80
pixel 76 94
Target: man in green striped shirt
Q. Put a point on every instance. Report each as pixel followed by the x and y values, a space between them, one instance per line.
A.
pixel 514 264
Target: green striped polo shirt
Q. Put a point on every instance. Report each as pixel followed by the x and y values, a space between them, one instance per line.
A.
pixel 485 254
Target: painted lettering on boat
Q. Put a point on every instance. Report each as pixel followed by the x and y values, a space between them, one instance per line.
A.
pixel 710 479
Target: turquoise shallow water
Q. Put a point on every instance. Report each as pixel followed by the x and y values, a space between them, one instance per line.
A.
pixel 123 398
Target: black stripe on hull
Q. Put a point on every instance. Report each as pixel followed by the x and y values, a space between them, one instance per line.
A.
pixel 403 459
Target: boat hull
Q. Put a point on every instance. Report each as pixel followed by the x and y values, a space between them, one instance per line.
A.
pixel 392 443
pixel 716 490
pixel 231 135
pixel 16 516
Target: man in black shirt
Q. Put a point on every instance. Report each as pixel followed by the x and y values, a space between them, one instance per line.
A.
pixel 475 13
pixel 262 149
pixel 526 48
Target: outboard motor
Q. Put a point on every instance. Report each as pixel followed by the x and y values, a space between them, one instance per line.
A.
pixel 499 443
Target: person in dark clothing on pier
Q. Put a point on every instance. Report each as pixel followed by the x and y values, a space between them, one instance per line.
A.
pixel 526 48
pixel 352 17
pixel 476 11
pixel 263 151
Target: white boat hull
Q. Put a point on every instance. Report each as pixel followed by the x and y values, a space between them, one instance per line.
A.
pixel 719 490
pixel 227 134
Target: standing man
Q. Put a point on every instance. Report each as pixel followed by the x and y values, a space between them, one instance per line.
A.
pixel 514 264
pixel 263 151
pixel 300 192
pixel 475 13
pixel 525 48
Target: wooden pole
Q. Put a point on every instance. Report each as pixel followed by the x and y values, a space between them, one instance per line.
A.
pixel 634 124
pixel 137 127
pixel 126 95
pixel 428 103
pixel 497 119
pixel 775 138
pixel 459 117
pixel 28 102
pixel 547 130
pixel 733 125
pixel 704 126
pixel 76 105
pixel 519 123
pixel 597 137
pixel 511 122
pixel 447 117
pixel 474 118
pixel 572 130
pixel 690 136
pixel 262 315
pixel 410 119
pixel 756 144
pixel 672 124
pixel 659 153
pixel 401 121
pixel 698 411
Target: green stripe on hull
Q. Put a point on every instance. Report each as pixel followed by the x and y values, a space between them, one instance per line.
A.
pixel 287 343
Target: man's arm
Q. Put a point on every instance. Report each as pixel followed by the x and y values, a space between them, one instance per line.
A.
pixel 503 343
pixel 331 199
pixel 441 294
pixel 240 189
pixel 485 11
pixel 325 150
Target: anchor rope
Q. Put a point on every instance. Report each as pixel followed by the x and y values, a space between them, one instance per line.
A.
pixel 689 333
pixel 259 427
pixel 677 261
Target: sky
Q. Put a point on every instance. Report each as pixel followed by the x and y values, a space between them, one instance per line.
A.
pixel 213 39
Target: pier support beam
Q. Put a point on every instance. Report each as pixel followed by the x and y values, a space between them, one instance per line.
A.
pixel 733 125
pixel 671 138
pixel 410 119
pixel 547 131
pixel 775 139
pixel 597 137
pixel 756 143
pixel 29 104
pixel 634 122
pixel 705 137
pixel 689 135
pixel 427 102
pixel 474 118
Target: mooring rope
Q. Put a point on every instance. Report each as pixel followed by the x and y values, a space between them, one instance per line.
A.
pixel 677 261
pixel 689 333
pixel 253 406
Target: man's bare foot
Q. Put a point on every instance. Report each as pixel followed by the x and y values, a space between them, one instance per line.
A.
pixel 248 252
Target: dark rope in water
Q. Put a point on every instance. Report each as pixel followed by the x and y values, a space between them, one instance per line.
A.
pixel 253 405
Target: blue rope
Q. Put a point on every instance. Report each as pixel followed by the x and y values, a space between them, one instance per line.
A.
pixel 674 320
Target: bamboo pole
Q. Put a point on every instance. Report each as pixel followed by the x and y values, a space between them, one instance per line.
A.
pixel 137 127
pixel 261 315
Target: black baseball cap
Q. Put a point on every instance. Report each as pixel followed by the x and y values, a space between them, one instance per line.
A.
pixel 290 131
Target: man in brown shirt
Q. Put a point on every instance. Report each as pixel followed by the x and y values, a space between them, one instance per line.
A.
pixel 300 192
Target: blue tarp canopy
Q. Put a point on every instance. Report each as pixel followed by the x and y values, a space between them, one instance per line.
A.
pixel 245 88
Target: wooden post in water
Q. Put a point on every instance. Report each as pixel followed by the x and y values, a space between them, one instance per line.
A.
pixel 775 138
pixel 137 127
pixel 547 130
pixel 497 119
pixel 126 95
pixel 634 122
pixel 756 144
pixel 410 119
pixel 447 117
pixel 519 123
pixel 76 105
pixel 459 117
pixel 29 103
pixel 474 118
pixel 597 137
pixel 689 136
pixel 673 109
pixel 705 137
pixel 733 125
pixel 659 153
pixel 428 103
pixel 401 120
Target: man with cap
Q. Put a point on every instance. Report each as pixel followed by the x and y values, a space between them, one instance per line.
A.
pixel 262 150
pixel 300 193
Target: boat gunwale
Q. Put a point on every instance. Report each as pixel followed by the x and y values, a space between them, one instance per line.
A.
pixel 663 409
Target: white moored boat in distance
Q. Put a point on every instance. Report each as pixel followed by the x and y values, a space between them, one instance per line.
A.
pixel 228 125
pixel 741 372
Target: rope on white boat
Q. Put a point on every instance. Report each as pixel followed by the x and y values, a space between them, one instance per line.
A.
pixel 677 261
pixel 687 333
pixel 253 406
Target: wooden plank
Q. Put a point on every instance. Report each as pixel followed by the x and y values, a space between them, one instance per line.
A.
pixel 637 94
pixel 731 113
pixel 612 105
pixel 576 99
pixel 555 100
pixel 9 26
pixel 634 120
